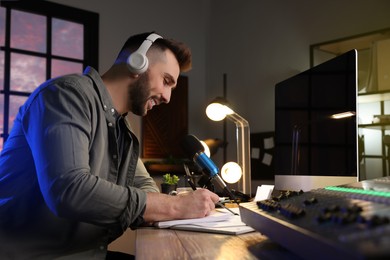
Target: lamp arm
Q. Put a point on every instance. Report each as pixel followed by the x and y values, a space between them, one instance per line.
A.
pixel 243 150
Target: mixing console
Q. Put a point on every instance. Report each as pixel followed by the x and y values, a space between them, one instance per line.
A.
pixel 338 222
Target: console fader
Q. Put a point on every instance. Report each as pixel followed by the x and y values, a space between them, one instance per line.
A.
pixel 338 222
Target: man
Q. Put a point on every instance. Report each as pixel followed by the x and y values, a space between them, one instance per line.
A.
pixel 70 176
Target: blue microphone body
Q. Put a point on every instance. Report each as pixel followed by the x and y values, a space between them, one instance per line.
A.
pixel 206 163
pixel 210 168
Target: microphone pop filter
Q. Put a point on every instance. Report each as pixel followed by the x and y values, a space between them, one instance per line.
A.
pixel 191 146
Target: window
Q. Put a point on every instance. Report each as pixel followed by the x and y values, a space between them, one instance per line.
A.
pixel 40 40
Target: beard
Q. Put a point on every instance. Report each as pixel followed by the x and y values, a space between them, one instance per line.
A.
pixel 139 95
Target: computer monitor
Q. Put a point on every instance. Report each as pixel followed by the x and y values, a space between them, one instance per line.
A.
pixel 313 149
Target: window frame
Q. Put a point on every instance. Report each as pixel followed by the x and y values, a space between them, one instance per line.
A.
pixel 88 19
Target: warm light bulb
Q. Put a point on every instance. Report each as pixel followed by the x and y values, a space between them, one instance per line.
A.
pixel 231 172
pixel 217 111
pixel 206 148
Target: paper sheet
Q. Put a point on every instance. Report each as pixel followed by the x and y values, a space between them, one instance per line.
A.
pixel 220 221
pixel 216 215
pixel 264 192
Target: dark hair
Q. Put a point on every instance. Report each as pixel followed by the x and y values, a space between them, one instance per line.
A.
pixel 181 51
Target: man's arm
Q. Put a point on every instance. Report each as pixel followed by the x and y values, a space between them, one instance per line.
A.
pixel 142 179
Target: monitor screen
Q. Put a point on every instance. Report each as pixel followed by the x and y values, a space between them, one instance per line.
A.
pixel 309 140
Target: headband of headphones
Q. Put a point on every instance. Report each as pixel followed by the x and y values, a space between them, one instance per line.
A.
pixel 138 62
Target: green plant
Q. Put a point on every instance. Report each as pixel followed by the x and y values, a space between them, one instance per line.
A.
pixel 169 179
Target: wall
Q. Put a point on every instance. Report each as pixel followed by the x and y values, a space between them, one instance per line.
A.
pixel 184 20
pixel 257 43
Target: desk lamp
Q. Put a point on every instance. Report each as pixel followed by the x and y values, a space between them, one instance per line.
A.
pixel 218 110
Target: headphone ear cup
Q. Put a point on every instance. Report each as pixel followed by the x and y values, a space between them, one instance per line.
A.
pixel 137 63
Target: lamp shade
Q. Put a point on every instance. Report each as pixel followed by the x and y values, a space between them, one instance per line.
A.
pixel 214 144
pixel 218 109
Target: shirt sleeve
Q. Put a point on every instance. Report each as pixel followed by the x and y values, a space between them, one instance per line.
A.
pixel 143 180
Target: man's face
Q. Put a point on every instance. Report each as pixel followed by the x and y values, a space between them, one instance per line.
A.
pixel 155 85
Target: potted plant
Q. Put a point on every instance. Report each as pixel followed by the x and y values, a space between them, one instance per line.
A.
pixel 169 183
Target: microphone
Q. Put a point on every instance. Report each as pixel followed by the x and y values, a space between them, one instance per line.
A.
pixel 195 151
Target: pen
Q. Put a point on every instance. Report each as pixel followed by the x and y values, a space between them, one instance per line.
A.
pixel 189 177
pixel 191 183
pixel 223 206
pixel 194 188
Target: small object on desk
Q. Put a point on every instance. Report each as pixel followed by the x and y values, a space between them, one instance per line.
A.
pixel 230 205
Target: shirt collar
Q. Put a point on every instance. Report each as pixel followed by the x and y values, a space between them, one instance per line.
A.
pixel 102 91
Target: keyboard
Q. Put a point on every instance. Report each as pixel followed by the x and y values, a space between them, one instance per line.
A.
pixel 337 222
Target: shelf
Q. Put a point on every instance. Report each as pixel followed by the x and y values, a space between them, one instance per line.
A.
pixel 378 126
pixel 373 96
pixel 374 156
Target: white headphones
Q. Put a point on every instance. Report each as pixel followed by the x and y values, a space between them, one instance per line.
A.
pixel 138 62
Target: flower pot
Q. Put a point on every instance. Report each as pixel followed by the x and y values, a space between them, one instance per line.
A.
pixel 168 188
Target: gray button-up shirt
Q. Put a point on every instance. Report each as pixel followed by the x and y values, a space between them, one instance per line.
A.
pixel 70 177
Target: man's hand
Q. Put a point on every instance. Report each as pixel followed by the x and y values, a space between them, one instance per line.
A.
pixel 195 204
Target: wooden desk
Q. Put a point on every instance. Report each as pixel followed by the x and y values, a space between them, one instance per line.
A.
pixel 163 244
